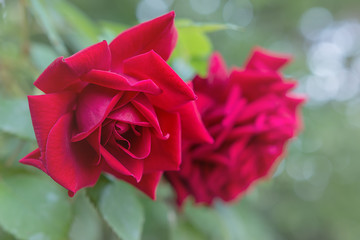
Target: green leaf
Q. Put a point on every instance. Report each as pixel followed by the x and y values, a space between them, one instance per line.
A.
pixel 110 30
pixel 42 55
pixel 156 225
pixel 207 221
pixel 43 16
pixel 232 220
pixel 15 118
pixel 77 27
pixel 87 222
pixel 184 230
pixel 122 210
pixel 34 207
pixel 194 47
pixel 204 27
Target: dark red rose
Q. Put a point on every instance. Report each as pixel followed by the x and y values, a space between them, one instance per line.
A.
pixel 117 108
pixel 251 115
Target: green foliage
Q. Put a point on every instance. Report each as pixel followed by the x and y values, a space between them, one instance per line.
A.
pixel 43 16
pixel 207 221
pixel 194 47
pixel 32 207
pixel 314 197
pixel 122 210
pixel 157 217
pixel 15 118
pixel 87 224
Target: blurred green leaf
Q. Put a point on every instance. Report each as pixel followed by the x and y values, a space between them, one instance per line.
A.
pixel 122 210
pixel 204 27
pixel 42 55
pixel 15 118
pixel 87 222
pixel 43 16
pixel 232 221
pixel 6 236
pixel 156 225
pixel 77 27
pixel 184 230
pixel 34 207
pixel 109 30
pixel 194 47
pixel 207 221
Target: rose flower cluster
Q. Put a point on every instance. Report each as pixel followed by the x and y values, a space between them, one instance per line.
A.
pixel 119 108
pixel 250 115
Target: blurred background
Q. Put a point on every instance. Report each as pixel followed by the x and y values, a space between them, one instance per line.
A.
pixel 315 192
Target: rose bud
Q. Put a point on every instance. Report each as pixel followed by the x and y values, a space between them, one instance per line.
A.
pixel 251 115
pixel 116 108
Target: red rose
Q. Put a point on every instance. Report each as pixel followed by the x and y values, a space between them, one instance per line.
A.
pixel 116 108
pixel 250 115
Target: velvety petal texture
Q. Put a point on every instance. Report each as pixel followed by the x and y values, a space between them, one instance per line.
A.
pixel 250 115
pixel 115 108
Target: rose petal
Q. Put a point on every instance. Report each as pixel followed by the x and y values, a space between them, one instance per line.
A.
pixel 143 105
pixel 158 34
pixel 192 127
pixel 181 191
pixel 139 145
pixel 119 82
pixel 33 159
pixel 94 104
pixel 175 92
pixel 217 74
pixel 165 155
pixel 116 165
pixel 97 56
pixel 72 165
pixel 45 111
pixel 264 60
pixel 129 114
pixel 56 77
pixel 147 184
pixel 94 140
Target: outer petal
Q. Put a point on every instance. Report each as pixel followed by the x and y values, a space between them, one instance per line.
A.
pixel 147 184
pixel 45 111
pixel 72 165
pixel 192 127
pixel 165 155
pixel 181 191
pixel 56 77
pixel 97 56
pixel 217 70
pixel 33 159
pixel 151 66
pixel 264 60
pixel 158 34
pixel 115 81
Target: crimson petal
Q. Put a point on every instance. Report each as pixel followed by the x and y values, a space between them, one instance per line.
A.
pixel 129 114
pixel 72 165
pixel 56 77
pixel 33 159
pixel 158 34
pixel 262 59
pixel 165 155
pixel 148 183
pixel 45 111
pixel 151 66
pixel 97 56
pixel 118 82
pixel 192 126
pixel 94 104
